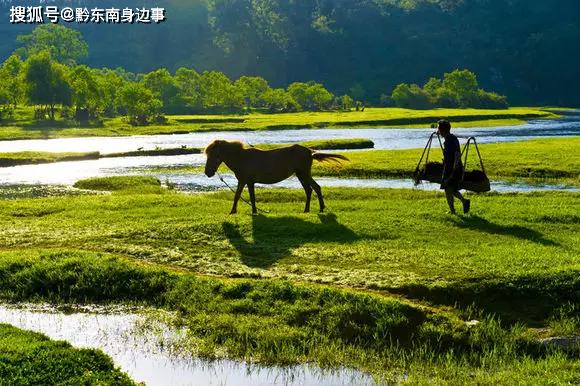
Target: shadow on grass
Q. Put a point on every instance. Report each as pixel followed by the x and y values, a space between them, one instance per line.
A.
pixel 481 224
pixel 275 237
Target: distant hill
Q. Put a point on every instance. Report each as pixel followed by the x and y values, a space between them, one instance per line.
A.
pixel 525 49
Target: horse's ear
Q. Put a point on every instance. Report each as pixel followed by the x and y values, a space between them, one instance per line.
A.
pixel 209 147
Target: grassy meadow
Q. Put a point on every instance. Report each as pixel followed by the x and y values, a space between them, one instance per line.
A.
pixel 22 126
pixel 384 282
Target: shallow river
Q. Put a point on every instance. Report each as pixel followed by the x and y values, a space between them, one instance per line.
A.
pixel 148 357
pixel 383 138
pixel 67 173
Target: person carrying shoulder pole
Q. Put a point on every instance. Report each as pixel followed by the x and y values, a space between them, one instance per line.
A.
pixel 452 167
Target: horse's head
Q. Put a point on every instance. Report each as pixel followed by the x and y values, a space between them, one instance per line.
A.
pixel 221 151
pixel 214 157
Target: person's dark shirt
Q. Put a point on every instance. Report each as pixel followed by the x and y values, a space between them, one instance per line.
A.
pixel 450 149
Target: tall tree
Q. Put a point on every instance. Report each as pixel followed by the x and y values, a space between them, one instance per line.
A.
pixel 12 79
pixel 252 88
pixel 164 87
pixel 47 83
pixel 139 103
pixel 65 45
pixel 88 94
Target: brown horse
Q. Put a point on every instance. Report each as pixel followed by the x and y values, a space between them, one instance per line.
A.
pixel 251 166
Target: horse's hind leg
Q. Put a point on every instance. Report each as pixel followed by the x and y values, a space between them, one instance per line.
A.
pixel 252 197
pixel 305 181
pixel 318 191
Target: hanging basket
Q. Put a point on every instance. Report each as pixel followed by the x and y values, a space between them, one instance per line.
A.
pixel 473 180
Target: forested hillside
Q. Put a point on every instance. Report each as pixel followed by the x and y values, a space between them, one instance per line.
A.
pixel 525 49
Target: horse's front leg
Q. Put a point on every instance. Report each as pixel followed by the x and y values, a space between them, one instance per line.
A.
pixel 237 196
pixel 252 197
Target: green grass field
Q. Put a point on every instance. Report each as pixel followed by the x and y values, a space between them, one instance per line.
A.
pixel 28 358
pixel 384 282
pixel 23 127
pixel 391 240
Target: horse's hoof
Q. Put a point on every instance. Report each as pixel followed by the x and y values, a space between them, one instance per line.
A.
pixel 233 212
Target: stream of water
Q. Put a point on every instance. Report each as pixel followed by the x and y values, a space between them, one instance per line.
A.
pixel 383 138
pixel 150 358
pixel 67 173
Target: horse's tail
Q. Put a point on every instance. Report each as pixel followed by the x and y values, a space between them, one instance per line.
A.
pixel 325 157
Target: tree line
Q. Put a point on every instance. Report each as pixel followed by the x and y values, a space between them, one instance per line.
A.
pixel 457 89
pixel 363 48
pixel 50 78
pixel 44 73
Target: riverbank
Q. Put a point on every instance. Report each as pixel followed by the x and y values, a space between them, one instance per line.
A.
pixel 372 284
pixel 22 127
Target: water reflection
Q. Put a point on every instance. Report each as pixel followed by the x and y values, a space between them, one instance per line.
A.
pixel 151 360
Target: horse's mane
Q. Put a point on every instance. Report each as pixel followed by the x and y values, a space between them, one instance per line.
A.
pixel 227 145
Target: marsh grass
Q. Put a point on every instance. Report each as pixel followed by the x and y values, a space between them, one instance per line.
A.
pixel 28 358
pixel 328 144
pixel 398 241
pixel 30 157
pixel 279 322
pixel 126 184
pixel 399 277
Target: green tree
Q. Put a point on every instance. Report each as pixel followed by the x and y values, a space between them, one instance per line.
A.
pixel 252 88
pixel 164 87
pixel 463 83
pixel 12 79
pixel 65 45
pixel 490 100
pixel 5 102
pixel 346 102
pixel 88 92
pixel 189 84
pixel 311 96
pixel 279 101
pixel 446 98
pixel 433 85
pixel 411 96
pixel 357 91
pixel 47 83
pixel 139 103
pixel 218 93
pixel 110 84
